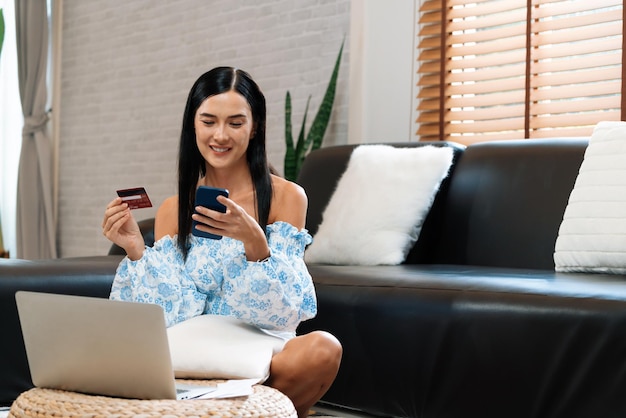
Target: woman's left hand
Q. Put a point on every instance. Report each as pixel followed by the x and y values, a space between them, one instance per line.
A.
pixel 235 223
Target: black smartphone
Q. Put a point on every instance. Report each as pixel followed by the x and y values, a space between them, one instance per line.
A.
pixel 207 196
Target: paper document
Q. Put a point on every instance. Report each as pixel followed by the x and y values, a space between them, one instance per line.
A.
pixel 231 389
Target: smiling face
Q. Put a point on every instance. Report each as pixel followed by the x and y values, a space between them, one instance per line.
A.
pixel 224 125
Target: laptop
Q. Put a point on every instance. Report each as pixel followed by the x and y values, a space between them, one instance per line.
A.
pixel 99 346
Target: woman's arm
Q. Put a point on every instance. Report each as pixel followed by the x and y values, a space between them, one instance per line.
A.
pixel 274 294
pixel 282 283
pixel 289 204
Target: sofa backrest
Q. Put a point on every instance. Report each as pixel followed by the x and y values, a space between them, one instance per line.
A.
pixel 323 168
pixel 501 205
pixel 506 202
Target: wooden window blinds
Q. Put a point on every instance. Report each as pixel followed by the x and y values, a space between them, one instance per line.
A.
pixel 505 69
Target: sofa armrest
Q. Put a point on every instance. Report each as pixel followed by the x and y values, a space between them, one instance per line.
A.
pixel 85 276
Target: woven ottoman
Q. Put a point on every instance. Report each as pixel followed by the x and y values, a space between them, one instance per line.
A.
pixel 43 403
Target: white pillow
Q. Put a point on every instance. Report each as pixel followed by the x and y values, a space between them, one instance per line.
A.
pixel 592 235
pixel 375 215
pixel 220 347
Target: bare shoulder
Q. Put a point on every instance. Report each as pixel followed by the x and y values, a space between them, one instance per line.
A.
pixel 289 203
pixel 166 220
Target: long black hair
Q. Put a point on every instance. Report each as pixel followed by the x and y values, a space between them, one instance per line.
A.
pixel 191 164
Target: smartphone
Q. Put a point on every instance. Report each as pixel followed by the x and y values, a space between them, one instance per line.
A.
pixel 207 196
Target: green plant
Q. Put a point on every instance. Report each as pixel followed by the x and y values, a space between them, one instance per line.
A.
pixel 294 155
pixel 1 30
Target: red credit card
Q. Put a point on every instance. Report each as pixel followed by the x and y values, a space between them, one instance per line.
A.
pixel 136 197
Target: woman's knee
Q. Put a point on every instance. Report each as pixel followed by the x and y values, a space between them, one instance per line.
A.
pixel 324 350
pixel 306 368
pixel 318 350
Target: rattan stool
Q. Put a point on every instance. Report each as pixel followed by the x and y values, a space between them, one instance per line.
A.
pixel 44 403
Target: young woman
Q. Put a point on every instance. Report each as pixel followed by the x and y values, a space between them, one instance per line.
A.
pixel 256 273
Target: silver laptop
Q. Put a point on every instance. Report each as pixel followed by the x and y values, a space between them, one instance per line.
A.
pixel 99 346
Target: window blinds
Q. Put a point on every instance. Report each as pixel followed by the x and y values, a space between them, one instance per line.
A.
pixel 503 69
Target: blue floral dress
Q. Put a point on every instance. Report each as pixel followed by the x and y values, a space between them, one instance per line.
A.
pixel 275 294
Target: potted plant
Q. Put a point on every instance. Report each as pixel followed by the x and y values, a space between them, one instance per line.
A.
pixel 294 155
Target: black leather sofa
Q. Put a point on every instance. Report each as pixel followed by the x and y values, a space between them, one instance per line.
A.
pixel 474 323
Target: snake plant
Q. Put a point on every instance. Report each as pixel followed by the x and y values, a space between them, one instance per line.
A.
pixel 294 155
pixel 1 30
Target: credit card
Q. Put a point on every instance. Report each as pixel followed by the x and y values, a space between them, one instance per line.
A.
pixel 137 198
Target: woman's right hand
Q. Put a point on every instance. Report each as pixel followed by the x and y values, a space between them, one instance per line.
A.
pixel 121 228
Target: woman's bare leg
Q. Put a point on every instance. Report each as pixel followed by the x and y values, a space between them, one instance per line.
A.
pixel 306 368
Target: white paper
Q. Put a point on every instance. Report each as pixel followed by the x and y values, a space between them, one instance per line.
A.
pixel 231 389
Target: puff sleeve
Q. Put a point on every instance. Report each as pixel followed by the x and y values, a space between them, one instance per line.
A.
pixel 275 294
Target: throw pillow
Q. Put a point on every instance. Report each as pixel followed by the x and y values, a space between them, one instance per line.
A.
pixel 220 347
pixel 376 212
pixel 592 235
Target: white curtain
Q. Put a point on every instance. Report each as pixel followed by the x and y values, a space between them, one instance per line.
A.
pixel 11 122
pixel 36 229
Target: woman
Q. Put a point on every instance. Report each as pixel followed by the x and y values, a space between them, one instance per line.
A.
pixel 256 273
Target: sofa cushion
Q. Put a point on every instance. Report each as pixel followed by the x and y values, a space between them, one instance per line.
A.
pixel 592 236
pixel 499 342
pixel 376 212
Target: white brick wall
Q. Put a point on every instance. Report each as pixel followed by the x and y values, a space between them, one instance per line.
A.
pixel 127 66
